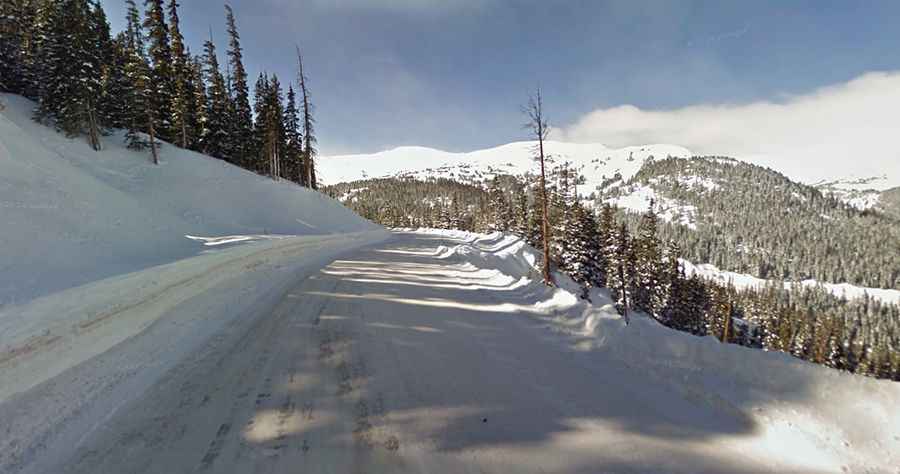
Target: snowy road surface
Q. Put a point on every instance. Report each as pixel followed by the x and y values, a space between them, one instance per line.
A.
pixel 392 358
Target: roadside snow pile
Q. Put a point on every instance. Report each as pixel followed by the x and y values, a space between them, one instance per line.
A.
pixel 835 420
pixel 71 216
pixel 43 338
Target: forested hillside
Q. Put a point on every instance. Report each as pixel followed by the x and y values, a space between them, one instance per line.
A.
pixel 750 219
pixel 87 81
pixel 692 209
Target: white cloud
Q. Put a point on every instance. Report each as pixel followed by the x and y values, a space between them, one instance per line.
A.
pixel 846 130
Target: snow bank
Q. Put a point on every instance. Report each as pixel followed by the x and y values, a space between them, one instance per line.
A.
pixel 834 420
pixel 69 215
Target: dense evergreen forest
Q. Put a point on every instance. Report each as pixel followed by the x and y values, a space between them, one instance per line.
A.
pixel 639 263
pixel 751 219
pixel 145 80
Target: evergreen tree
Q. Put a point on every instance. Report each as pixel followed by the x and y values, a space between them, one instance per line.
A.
pixel 275 137
pixel 71 71
pixel 117 87
pixel 521 212
pixel 581 258
pixel 161 88
pixel 138 113
pixel 619 273
pixel 215 139
pixel 293 152
pixel 16 24
pixel 651 291
pixel 241 132
pixel 261 125
pixel 606 240
pixel 200 106
pixel 183 106
pixel 111 71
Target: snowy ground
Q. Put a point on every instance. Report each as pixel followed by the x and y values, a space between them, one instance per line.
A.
pixel 429 352
pixel 70 216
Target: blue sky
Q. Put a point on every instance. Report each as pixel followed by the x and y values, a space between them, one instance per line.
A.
pixel 453 74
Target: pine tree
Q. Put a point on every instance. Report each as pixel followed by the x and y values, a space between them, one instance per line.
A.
pixel 215 140
pixel 520 212
pixel 674 285
pixel 241 131
pixel 161 88
pixel 275 138
pixel 261 125
pixel 111 70
pixel 117 87
pixel 620 271
pixel 71 71
pixel 200 105
pixel 606 240
pixel 293 153
pixel 15 27
pixel 651 291
pixel 183 106
pixel 580 259
pixel 138 113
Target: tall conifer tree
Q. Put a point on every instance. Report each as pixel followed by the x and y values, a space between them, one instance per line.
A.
pixel 241 123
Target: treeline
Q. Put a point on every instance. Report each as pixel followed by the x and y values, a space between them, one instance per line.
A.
pixel 751 219
pixel 145 80
pixel 643 272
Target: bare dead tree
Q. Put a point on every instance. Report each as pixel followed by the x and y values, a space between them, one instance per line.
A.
pixel 537 125
pixel 309 138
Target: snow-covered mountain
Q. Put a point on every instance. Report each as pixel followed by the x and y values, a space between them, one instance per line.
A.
pixel 598 164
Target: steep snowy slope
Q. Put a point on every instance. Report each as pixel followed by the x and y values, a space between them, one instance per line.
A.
pixel 595 162
pixel 70 215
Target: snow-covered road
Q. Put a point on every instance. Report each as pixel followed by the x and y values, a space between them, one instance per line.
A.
pixel 397 357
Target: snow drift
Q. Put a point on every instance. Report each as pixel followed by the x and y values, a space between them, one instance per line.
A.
pixel 71 215
pixel 830 420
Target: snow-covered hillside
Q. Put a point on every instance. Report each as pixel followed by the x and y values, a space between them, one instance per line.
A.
pixel 595 162
pixel 598 164
pixel 71 215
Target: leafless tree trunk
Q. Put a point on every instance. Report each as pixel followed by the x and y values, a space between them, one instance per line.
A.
pixel 728 330
pixel 309 139
pixel 152 132
pixel 537 124
pixel 93 129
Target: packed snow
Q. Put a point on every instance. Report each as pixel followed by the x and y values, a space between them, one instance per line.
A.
pixel 72 215
pixel 434 351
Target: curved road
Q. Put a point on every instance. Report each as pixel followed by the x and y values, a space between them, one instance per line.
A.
pixel 392 359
